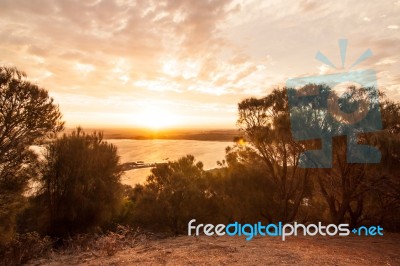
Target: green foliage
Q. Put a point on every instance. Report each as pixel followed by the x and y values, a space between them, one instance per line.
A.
pixel 173 194
pixel 366 193
pixel 27 116
pixel 266 126
pixel 353 193
pixel 80 189
pixel 382 203
pixel 81 185
pixel 243 188
pixel 260 179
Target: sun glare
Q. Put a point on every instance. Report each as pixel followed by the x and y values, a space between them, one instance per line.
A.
pixel 156 118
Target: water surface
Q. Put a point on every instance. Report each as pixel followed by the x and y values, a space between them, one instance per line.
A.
pixel 151 151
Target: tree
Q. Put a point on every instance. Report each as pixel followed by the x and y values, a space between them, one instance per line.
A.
pixel 367 193
pixel 243 187
pixel 27 116
pixel 352 190
pixel 266 126
pixel 384 205
pixel 81 186
pixel 173 194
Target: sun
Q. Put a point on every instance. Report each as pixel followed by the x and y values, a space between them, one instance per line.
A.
pixel 156 118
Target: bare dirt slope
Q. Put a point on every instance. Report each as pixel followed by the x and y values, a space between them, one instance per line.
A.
pixel 204 250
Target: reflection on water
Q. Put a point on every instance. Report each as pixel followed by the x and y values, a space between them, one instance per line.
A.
pixel 135 176
pixel 156 151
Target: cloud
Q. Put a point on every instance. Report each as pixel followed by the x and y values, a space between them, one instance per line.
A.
pixel 386 61
pixel 198 52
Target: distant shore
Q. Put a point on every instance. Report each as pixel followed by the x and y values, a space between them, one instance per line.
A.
pixel 138 165
pixel 178 134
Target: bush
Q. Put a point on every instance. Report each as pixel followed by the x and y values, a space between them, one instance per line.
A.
pixel 175 193
pixel 25 247
pixel 27 116
pixel 81 187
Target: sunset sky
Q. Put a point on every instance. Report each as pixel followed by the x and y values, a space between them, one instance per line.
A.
pixel 183 63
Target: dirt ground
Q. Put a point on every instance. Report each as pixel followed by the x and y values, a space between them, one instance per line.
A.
pixel 185 250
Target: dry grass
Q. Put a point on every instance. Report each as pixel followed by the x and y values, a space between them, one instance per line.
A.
pixel 184 250
pixel 29 246
pixel 25 247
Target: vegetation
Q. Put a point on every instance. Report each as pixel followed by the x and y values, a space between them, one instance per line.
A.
pixel 173 193
pixel 27 116
pixel 80 186
pixel 260 178
pixel 266 126
pixel 78 190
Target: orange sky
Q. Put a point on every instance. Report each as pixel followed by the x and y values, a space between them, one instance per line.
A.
pixel 187 63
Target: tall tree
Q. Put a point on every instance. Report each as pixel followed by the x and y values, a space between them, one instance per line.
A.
pixel 27 115
pixel 358 193
pixel 81 185
pixel 265 123
pixel 348 186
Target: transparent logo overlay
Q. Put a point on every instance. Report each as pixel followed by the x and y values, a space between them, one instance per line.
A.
pixel 341 104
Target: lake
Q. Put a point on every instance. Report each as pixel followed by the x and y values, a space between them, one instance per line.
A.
pixel 157 151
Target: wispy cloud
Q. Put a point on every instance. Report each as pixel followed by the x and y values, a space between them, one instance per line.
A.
pixel 198 53
pixel 393 27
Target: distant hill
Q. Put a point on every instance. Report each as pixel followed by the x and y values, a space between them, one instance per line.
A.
pixel 184 134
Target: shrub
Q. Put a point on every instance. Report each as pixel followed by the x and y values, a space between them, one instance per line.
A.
pixel 25 247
